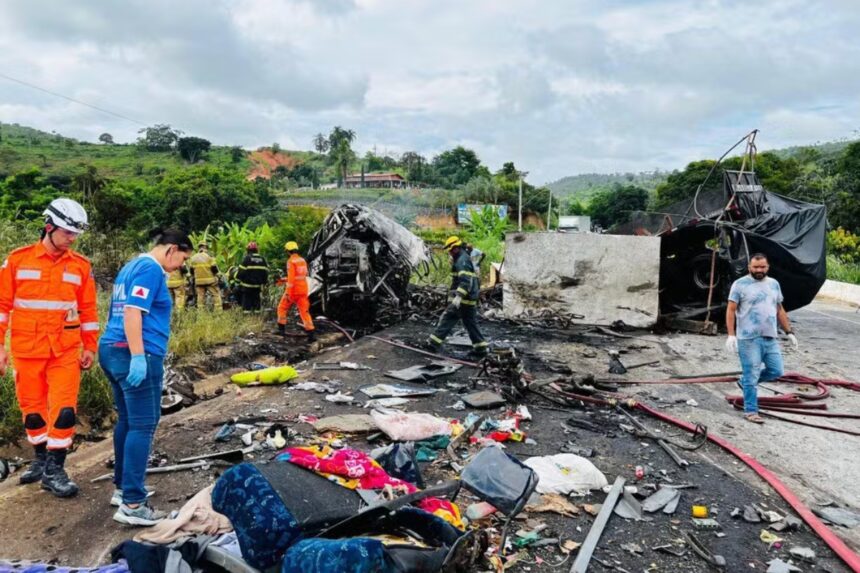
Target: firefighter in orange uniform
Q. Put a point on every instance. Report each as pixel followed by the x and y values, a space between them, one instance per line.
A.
pixel 48 302
pixel 296 292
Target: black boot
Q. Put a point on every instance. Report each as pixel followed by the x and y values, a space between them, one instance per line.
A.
pixel 282 329
pixel 311 335
pixel 37 467
pixel 56 480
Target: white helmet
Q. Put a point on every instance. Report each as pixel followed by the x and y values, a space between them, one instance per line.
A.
pixel 66 214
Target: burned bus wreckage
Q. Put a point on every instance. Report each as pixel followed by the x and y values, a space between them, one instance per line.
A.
pixel 706 243
pixel 360 260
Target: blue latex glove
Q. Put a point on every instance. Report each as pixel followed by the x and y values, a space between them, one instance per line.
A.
pixel 136 370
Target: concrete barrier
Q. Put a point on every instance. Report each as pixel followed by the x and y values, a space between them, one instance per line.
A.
pixel 602 277
pixel 843 292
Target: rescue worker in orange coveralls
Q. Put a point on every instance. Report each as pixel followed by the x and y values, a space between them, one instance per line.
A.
pixel 48 302
pixel 296 292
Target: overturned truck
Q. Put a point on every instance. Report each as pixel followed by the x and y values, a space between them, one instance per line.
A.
pixel 360 260
pixel 706 243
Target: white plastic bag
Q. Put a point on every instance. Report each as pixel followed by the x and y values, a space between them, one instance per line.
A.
pixel 410 426
pixel 566 473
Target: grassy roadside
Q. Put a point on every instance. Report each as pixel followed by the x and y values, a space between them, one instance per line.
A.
pixel 838 270
pixel 193 331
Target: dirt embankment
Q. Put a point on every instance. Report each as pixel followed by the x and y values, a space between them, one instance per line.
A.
pixel 265 161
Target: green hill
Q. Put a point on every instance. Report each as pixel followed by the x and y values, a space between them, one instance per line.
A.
pixel 584 186
pixel 22 148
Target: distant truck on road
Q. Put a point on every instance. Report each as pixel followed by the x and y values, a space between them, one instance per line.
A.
pixel 574 224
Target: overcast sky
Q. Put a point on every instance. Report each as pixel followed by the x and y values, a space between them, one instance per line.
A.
pixel 559 87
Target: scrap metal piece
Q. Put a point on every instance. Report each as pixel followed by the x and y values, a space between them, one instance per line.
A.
pixel 838 516
pixel 232 456
pixel 483 399
pixel 395 391
pixel 670 549
pixel 580 565
pixel 425 372
pixel 780 566
pixel 339 366
pixel 660 499
pixel 629 508
pixel 699 549
pixel 705 523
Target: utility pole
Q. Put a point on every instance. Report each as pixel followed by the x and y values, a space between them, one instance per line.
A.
pixel 520 209
pixel 549 210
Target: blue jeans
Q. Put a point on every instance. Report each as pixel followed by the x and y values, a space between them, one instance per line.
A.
pixel 756 353
pixel 139 410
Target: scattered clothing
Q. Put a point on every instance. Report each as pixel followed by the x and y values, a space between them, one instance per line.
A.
pixel 196 517
pixel 357 470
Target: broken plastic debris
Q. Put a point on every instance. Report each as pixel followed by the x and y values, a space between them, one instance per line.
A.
pixel 769 538
pixel 780 566
pixel 316 387
pixel 387 402
pixel 339 398
pixel 804 553
pixel 483 399
pixel 479 510
pixel 395 391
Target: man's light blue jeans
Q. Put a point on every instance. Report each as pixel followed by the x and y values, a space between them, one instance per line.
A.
pixel 761 361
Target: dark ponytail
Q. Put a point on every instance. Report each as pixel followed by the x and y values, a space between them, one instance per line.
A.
pixel 172 237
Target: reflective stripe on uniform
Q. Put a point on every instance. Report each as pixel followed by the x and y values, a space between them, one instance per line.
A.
pixel 480 344
pixel 462 291
pixel 246 285
pixel 90 326
pixel 33 304
pixel 72 278
pixel 36 440
pixel 241 268
pixel 469 302
pixel 4 317
pixel 28 274
pixel 466 274
pixel 63 443
pixel 436 339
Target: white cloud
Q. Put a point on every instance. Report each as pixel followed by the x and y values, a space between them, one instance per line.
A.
pixel 558 87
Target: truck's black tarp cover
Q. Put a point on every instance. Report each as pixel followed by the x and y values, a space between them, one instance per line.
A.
pixel 791 233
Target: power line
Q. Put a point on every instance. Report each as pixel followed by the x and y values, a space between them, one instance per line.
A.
pixel 73 100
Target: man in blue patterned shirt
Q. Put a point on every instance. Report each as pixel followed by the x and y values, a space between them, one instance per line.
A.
pixel 755 307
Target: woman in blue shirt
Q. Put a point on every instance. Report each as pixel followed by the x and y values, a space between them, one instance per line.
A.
pixel 131 353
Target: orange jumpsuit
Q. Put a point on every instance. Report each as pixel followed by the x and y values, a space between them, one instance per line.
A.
pixel 50 305
pixel 296 292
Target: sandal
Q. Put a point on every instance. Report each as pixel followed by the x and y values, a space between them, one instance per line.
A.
pixel 754 418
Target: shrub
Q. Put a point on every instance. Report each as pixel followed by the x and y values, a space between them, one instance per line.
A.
pixel 843 245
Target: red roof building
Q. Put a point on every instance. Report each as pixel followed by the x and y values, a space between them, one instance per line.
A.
pixel 375 180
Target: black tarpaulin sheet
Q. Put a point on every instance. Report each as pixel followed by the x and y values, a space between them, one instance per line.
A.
pixel 791 233
pixel 793 236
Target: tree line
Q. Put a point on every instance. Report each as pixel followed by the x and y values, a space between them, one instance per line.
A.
pixel 807 174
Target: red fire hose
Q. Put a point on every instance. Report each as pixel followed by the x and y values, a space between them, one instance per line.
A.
pixel 831 539
pixel 838 546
